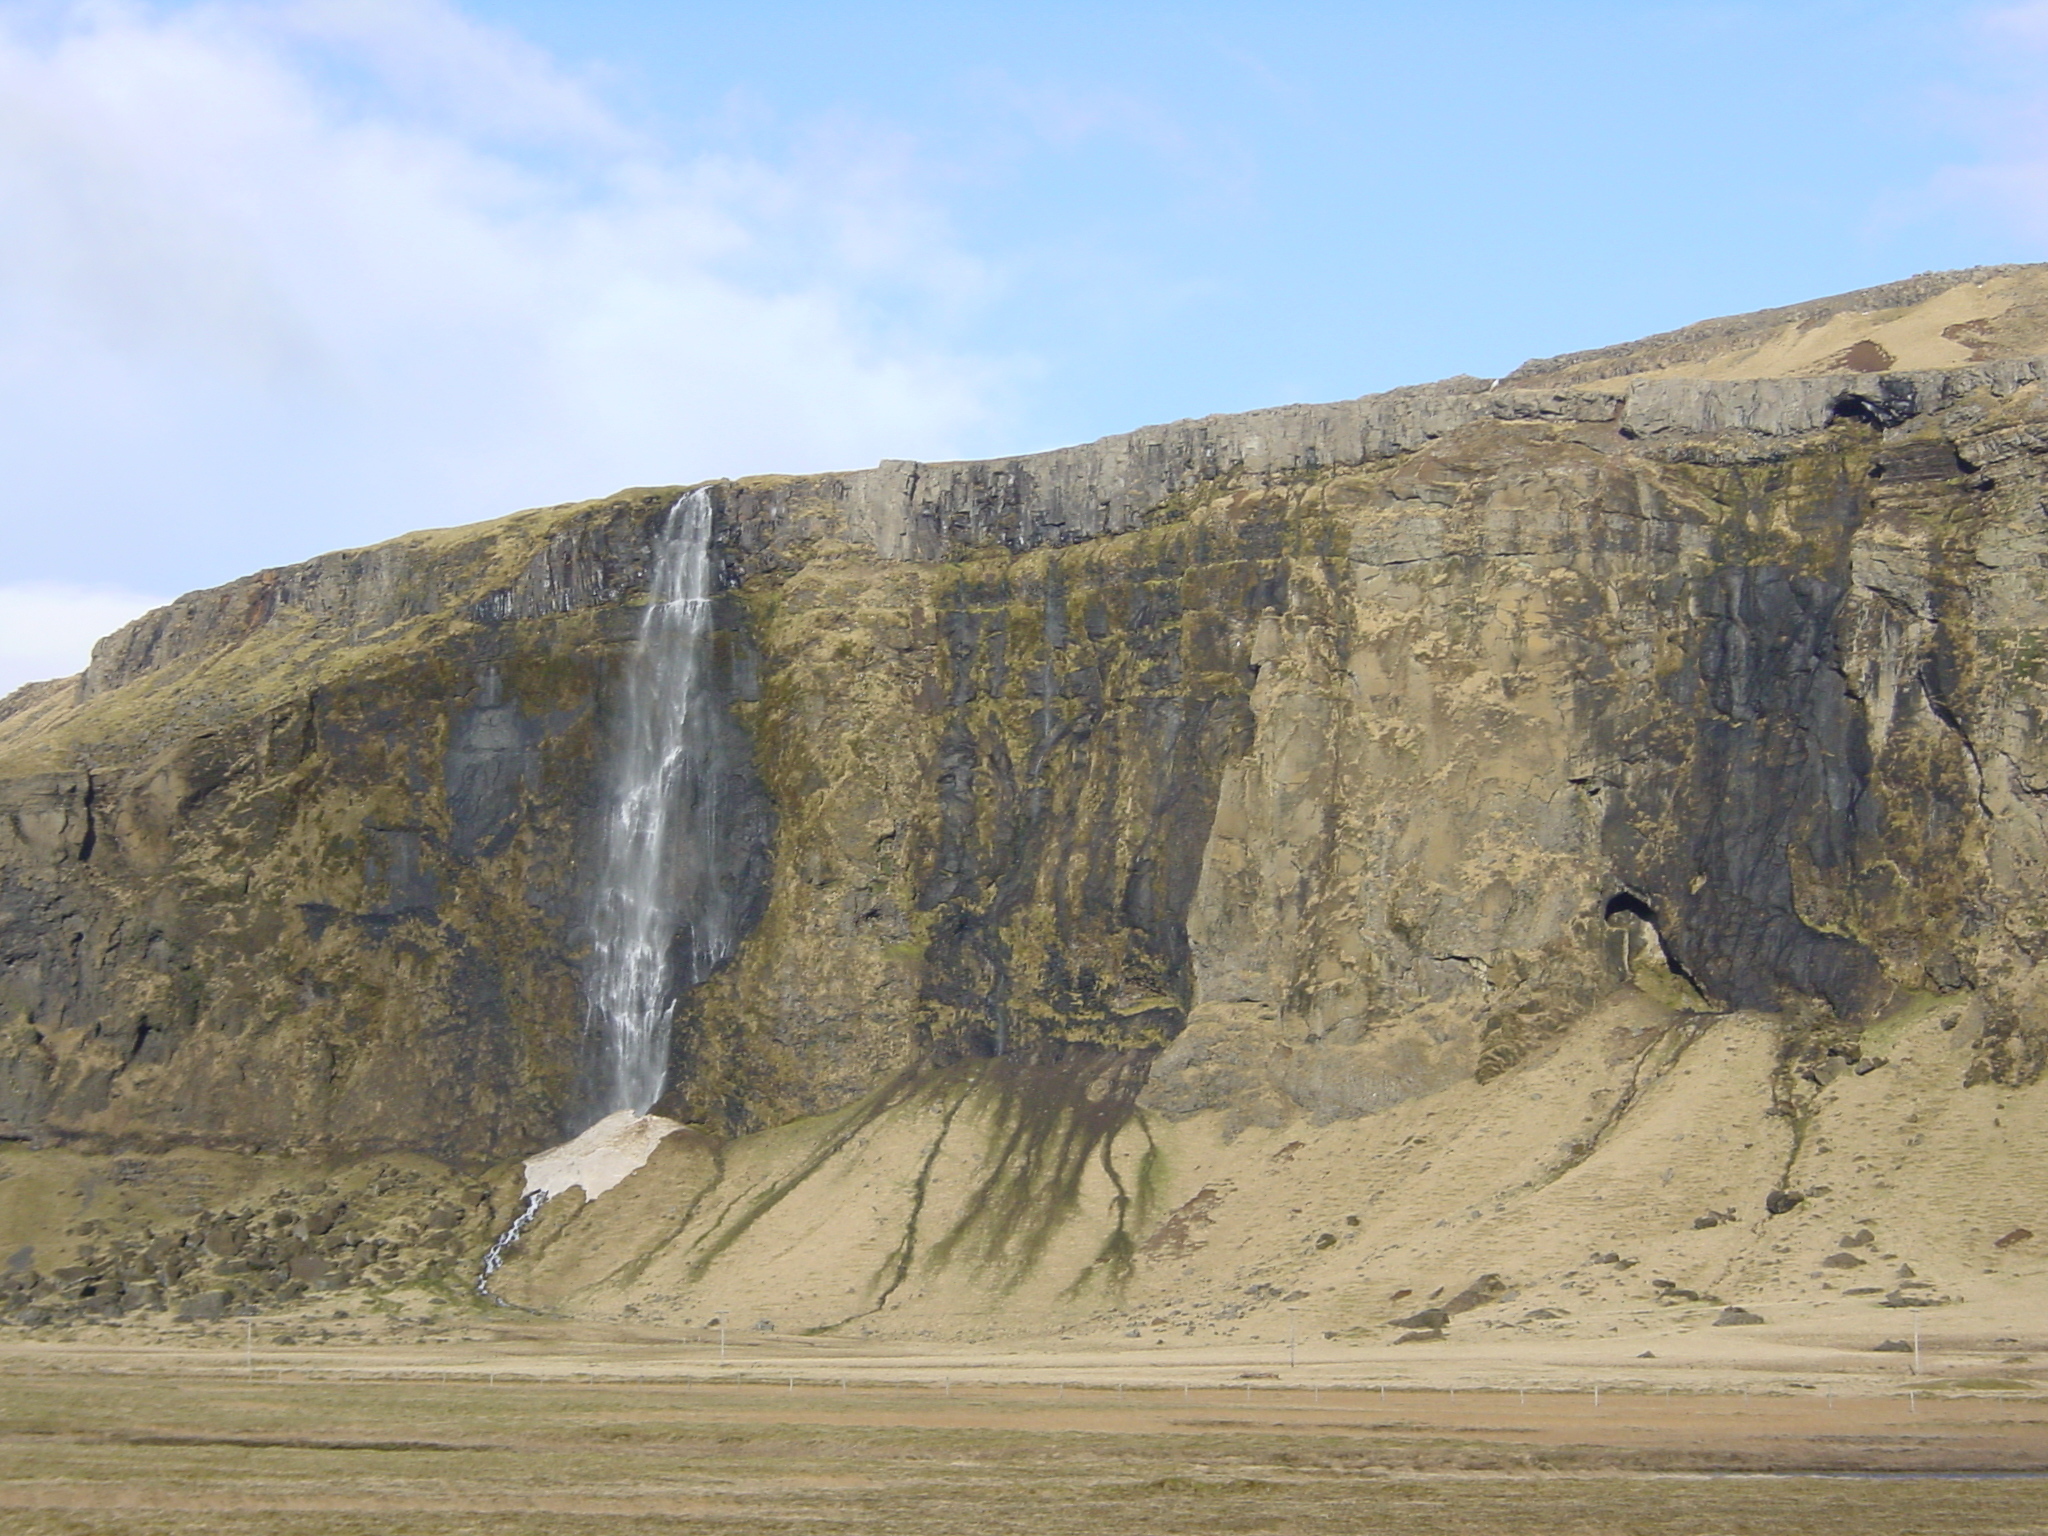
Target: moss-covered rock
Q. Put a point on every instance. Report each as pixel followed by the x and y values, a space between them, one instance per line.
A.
pixel 1336 753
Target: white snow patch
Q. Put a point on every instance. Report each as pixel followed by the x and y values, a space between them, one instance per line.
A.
pixel 601 1157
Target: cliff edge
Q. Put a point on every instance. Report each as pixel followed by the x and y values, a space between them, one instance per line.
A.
pixel 1132 824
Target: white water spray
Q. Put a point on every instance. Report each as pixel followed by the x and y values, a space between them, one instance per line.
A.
pixel 599 1160
pixel 529 1207
pixel 662 919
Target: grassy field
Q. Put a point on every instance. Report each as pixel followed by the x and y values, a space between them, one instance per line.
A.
pixel 163 1451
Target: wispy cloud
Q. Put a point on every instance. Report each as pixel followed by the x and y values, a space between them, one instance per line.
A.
pixel 275 277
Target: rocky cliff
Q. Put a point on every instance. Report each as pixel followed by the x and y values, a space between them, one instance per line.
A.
pixel 1268 777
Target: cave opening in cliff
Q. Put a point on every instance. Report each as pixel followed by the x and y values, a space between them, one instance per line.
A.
pixel 1628 905
pixel 1889 402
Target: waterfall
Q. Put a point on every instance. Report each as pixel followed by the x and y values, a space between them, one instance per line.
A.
pixel 662 919
pixel 529 1207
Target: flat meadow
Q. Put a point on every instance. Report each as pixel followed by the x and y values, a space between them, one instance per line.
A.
pixel 415 1442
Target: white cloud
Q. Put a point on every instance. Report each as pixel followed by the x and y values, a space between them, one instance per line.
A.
pixel 47 627
pixel 276 277
pixel 2003 106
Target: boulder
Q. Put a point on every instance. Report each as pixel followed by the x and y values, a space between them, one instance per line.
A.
pixel 1737 1317
pixel 206 1307
pixel 1482 1292
pixel 1428 1317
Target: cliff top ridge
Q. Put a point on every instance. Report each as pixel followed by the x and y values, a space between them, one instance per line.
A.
pixel 1932 320
pixel 1770 373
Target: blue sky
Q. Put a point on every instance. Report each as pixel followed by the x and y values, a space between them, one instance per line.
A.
pixel 283 277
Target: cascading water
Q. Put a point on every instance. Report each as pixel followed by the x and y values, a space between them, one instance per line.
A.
pixel 662 920
pixel 529 1207
pixel 663 915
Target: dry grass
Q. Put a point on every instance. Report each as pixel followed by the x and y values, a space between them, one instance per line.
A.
pixel 167 1454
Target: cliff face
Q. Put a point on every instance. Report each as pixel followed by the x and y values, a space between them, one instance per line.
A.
pixel 1278 768
pixel 283 835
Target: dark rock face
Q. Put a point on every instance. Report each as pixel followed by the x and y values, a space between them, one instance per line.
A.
pixel 1082 736
pixel 359 883
pixel 993 780
pixel 232 906
pixel 1761 824
pixel 492 758
pixel 1777 767
pixel 1333 755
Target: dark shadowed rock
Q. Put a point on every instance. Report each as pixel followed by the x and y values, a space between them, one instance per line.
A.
pixel 1482 1292
pixel 207 1306
pixel 1428 1317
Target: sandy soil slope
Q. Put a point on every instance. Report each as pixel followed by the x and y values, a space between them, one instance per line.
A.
pixel 1616 1189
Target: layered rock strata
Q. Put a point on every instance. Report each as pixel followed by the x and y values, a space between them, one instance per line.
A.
pixel 1280 768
